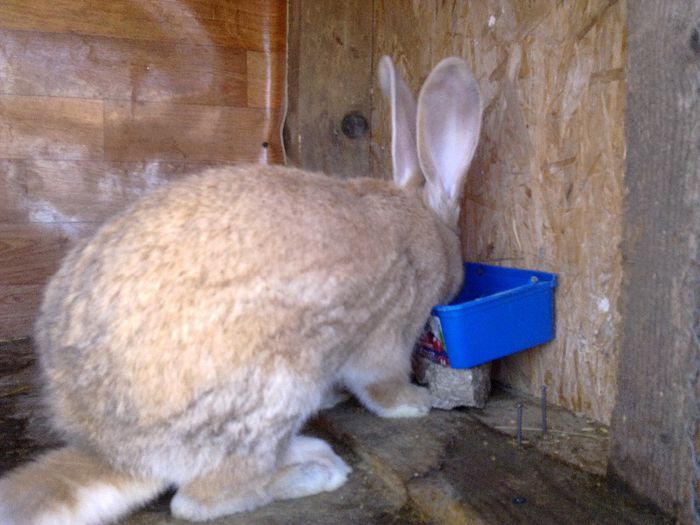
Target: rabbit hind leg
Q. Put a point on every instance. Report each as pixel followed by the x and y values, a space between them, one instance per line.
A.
pixel 309 467
pixel 237 485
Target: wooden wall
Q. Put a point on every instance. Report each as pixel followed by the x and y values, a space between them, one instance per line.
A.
pixel 545 190
pixel 655 430
pixel 102 101
pixel 546 187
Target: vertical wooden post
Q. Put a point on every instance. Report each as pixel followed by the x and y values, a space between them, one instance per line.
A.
pixel 655 425
pixel 329 75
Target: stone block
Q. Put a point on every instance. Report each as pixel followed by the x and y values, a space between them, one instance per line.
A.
pixel 451 387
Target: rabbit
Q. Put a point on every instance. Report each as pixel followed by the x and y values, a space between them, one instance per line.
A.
pixel 185 344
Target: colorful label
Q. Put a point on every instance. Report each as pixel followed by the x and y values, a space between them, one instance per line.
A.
pixel 431 343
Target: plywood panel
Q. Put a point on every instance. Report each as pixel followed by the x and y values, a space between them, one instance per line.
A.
pixel 545 190
pixel 69 65
pixel 247 24
pixel 143 131
pixel 55 128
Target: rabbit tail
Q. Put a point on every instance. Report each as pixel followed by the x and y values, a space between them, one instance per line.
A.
pixel 71 487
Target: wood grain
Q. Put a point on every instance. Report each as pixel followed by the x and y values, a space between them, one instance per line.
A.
pixel 92 191
pixel 69 65
pixel 18 304
pixel 329 76
pixel 265 83
pixel 49 127
pixel 545 189
pixel 248 24
pixel 31 253
pixel 401 33
pixel 12 191
pixel 656 423
pixel 100 102
pixel 145 131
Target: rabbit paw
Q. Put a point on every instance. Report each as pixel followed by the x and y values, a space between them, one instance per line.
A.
pixel 396 399
pixel 310 467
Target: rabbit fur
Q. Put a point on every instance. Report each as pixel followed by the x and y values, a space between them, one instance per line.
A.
pixel 186 343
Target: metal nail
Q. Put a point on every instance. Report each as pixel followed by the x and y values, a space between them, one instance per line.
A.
pixel 519 435
pixel 544 409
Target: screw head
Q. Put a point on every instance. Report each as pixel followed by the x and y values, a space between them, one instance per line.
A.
pixel 354 125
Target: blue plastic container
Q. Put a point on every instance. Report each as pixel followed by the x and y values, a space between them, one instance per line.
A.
pixel 499 311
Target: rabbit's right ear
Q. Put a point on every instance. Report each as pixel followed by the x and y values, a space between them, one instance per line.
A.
pixel 403 125
pixel 448 126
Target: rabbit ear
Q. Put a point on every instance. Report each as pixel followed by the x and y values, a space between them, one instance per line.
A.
pixel 448 125
pixel 403 124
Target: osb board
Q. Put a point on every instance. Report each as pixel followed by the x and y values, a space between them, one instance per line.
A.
pixel 100 102
pixel 545 190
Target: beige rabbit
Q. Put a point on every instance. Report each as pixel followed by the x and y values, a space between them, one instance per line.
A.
pixel 188 341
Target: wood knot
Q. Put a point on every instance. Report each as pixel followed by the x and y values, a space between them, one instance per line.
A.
pixel 354 125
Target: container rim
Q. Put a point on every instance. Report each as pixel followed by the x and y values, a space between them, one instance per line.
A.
pixel 539 281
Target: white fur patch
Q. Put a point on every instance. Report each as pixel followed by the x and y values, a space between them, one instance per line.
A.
pixel 306 479
pixel 100 504
pixel 311 467
pixel 404 411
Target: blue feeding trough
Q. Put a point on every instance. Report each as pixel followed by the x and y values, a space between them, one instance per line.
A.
pixel 499 311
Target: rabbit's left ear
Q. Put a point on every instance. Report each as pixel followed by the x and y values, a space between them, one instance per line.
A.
pixel 403 125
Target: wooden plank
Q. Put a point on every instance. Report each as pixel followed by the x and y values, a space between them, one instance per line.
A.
pixel 175 75
pixel 405 35
pixel 13 191
pixel 290 129
pixel 145 131
pixel 656 423
pixel 31 253
pixel 265 87
pixel 69 65
pixel 265 80
pixel 247 24
pixel 329 75
pixel 83 191
pixel 260 25
pixel 18 306
pixel 47 127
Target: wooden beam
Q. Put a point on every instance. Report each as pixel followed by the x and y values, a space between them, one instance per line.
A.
pixel 329 76
pixel 248 24
pixel 185 132
pixel 655 424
